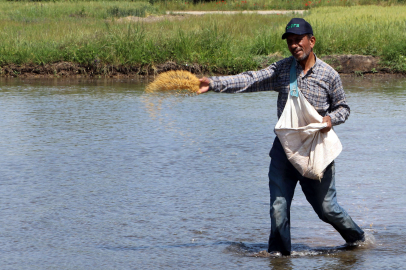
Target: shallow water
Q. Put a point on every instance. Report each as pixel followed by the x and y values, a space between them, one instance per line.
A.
pixel 97 175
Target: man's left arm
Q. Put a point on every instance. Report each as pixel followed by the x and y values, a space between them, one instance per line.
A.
pixel 339 109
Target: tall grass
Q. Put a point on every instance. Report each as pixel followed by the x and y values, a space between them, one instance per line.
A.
pixel 239 4
pixel 366 30
pixel 267 4
pixel 39 11
pixel 90 33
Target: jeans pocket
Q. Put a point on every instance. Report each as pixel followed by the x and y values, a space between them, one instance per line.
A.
pixel 278 156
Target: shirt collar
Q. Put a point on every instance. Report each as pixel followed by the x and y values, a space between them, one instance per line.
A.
pixel 316 64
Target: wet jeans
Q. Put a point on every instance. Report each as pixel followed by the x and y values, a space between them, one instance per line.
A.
pixel 283 178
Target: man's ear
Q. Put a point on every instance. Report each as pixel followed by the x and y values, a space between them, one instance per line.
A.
pixel 312 41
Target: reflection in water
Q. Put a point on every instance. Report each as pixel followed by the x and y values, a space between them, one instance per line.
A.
pixel 98 175
pixel 300 250
pixel 153 101
pixel 281 263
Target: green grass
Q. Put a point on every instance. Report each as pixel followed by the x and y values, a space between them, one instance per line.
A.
pixel 236 4
pixel 91 33
pixel 40 11
pixel 268 4
pixel 366 30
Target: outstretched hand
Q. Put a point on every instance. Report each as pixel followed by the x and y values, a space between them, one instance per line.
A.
pixel 326 119
pixel 204 85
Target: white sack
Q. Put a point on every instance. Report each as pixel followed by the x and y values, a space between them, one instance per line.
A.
pixel 309 150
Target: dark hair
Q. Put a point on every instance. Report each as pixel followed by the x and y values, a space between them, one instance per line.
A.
pixel 309 36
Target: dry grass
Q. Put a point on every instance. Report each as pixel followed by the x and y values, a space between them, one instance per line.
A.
pixel 174 80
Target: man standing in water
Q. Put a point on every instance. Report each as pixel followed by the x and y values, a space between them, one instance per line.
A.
pixel 321 85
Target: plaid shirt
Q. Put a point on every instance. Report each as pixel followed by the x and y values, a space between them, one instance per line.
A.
pixel 321 86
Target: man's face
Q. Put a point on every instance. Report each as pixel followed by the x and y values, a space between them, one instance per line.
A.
pixel 300 46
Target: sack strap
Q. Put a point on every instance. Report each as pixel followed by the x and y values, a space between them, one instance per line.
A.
pixel 294 91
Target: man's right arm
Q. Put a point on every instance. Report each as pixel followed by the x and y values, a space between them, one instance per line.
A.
pixel 250 81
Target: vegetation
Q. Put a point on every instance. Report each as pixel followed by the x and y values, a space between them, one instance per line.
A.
pixel 268 4
pixel 94 33
pixel 365 30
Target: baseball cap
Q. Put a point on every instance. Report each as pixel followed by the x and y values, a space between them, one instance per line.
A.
pixel 297 26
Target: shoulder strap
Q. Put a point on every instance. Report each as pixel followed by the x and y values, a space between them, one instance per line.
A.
pixel 293 80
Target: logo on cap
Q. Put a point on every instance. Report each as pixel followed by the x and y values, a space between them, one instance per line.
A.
pixel 292 25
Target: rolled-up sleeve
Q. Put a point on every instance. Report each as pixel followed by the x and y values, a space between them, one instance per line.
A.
pixel 250 81
pixel 339 109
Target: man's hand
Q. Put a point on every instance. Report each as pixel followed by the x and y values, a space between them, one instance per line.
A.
pixel 327 119
pixel 204 85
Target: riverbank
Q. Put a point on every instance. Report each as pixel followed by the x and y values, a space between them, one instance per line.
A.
pixel 113 39
pixel 346 65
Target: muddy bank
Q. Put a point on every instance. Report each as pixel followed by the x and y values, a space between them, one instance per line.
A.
pixel 74 70
pixel 358 65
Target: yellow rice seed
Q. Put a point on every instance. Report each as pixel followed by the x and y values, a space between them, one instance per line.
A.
pixel 174 80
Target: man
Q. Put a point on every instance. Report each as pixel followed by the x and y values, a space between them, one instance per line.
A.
pixel 322 87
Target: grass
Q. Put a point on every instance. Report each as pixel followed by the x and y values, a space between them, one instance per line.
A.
pixel 269 5
pixel 366 30
pixel 91 33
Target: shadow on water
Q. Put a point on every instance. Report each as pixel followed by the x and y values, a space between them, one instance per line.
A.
pixel 343 258
pixel 301 250
pixel 298 250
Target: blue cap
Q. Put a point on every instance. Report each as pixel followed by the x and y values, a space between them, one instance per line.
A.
pixel 297 26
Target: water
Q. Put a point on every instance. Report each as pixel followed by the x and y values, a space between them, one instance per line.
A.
pixel 96 175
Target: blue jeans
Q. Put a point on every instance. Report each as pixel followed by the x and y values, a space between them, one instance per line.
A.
pixel 283 178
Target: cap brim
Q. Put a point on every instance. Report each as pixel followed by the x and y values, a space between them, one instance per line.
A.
pixel 284 36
